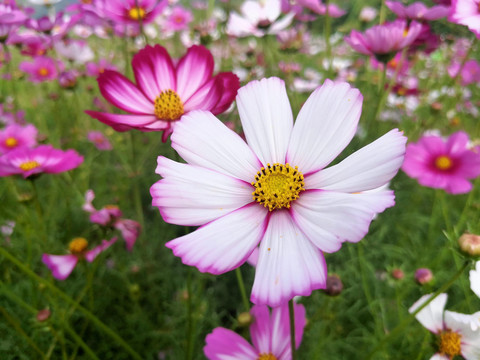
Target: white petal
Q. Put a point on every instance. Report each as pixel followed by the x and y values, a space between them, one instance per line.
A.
pixel 431 316
pixel 370 167
pixel 288 264
pixel 475 279
pixel 191 195
pixel 223 244
pixel 324 127
pixel 267 118
pixel 438 356
pixel 330 218
pixel 462 324
pixel 201 139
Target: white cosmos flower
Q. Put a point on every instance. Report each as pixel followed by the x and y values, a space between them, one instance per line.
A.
pixel 274 190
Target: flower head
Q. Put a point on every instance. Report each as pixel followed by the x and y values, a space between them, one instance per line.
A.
pixel 14 136
pixel 165 90
pixel 418 11
pixel 133 11
pixel 179 19
pixel 100 141
pixel 270 334
pixel 466 12
pixel 41 69
pixel 443 164
pixel 275 190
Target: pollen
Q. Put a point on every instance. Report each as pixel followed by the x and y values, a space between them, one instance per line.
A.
pixel 43 71
pixel 277 185
pixel 168 106
pixel 268 356
pixel 29 165
pixel 136 13
pixel 449 344
pixel 78 246
pixel 11 142
pixel 443 163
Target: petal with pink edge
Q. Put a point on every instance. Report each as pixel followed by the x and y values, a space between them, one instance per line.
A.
pixel 431 316
pixel 280 321
pixel 192 196
pixel 61 266
pixel 267 118
pixel 224 344
pixel 288 264
pixel 261 328
pixel 464 325
pixel 224 244
pixel 130 121
pixel 230 84
pixel 202 140
pixel 325 125
pixel 92 254
pixel 205 98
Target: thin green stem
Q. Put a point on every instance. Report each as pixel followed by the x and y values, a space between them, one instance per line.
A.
pixel 241 286
pixel 80 342
pixel 136 189
pixel 71 301
pixel 291 313
pixel 383 13
pixel 327 31
pixel 189 352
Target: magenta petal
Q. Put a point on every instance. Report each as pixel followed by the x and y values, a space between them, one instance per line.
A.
pixel 61 266
pixel 226 344
pixel 123 122
pixel 206 97
pixel 92 254
pixel 230 84
pixel 130 230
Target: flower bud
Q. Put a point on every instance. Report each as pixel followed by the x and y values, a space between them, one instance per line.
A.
pixel 470 244
pixel 423 276
pixel 334 285
pixel 244 319
pixel 43 315
pixel 398 274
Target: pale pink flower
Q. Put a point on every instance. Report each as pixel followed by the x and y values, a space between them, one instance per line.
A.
pixel 14 136
pixel 458 334
pixel 77 51
pixel 41 69
pixel 466 12
pixel 270 335
pixel 368 13
pixel 418 11
pixel 294 219
pixel 469 72
pixel 133 11
pixel 100 141
pixel 441 164
pixel 179 19
pixel 321 9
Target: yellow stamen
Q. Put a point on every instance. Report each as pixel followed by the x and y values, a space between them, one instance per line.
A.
pixel 450 344
pixel 136 13
pixel 168 106
pixel 277 185
pixel 443 162
pixel 268 356
pixel 78 245
pixel 405 33
pixel 29 165
pixel 43 72
pixel 11 142
pixel 110 206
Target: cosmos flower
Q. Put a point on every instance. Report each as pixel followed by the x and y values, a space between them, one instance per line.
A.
pixel 270 334
pixel 133 11
pixel 42 159
pixel 466 12
pixel 469 72
pixel 475 279
pixel 41 69
pixel 14 136
pixel 275 190
pixel 458 334
pixel 95 69
pixel 443 164
pixel 165 90
pixel 62 266
pixel 100 141
pixel 418 11
pixel 179 19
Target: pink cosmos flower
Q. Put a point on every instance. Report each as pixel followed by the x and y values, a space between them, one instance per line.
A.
pixel 321 9
pixel 41 69
pixel 14 136
pixel 179 19
pixel 110 216
pixel 275 190
pixel 11 15
pixel 42 159
pixel 466 12
pixel 270 335
pixel 458 334
pixel 62 266
pixel 469 73
pixel 384 41
pixel 100 141
pixel 418 11
pixel 443 164
pixel 95 69
pixel 133 11
pixel 165 90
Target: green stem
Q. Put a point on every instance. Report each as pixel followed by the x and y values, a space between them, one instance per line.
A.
pixel 136 188
pixel 71 301
pixel 241 286
pixel 399 329
pixel 189 352
pixel 327 31
pixel 291 313
pixel 80 342
pixel 383 13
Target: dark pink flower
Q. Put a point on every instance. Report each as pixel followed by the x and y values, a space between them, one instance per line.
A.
pixel 179 19
pixel 418 11
pixel 11 15
pixel 42 159
pixel 270 335
pixel 466 12
pixel 165 90
pixel 443 164
pixel 15 136
pixel 41 69
pixel 62 266
pixel 133 11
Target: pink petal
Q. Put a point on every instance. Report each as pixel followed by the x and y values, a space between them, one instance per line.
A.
pixel 121 122
pixel 224 244
pixel 230 85
pixel 225 344
pixel 130 231
pixel 92 254
pixel 61 266
pixel 205 98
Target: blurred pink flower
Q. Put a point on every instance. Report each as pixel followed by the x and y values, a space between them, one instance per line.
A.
pixel 179 19
pixel 418 11
pixel 466 12
pixel 11 15
pixel 14 136
pixel 62 266
pixel 133 11
pixel 100 141
pixel 423 276
pixel 95 69
pixel 68 79
pixel 270 335
pixel 469 73
pixel 42 159
pixel 165 90
pixel 321 9
pixel 443 164
pixel 41 69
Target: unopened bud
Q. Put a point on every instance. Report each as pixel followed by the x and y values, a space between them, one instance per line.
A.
pixel 398 274
pixel 470 244
pixel 244 319
pixel 423 276
pixel 334 285
pixel 43 315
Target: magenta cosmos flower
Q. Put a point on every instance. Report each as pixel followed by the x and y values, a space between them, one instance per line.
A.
pixel 165 90
pixel 62 266
pixel 270 336
pixel 275 190
pixel 41 69
pixel 466 12
pixel 133 11
pixel 14 136
pixel 384 41
pixel 42 159
pixel 418 11
pixel 443 164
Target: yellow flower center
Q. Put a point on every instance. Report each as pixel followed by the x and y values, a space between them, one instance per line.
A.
pixel 136 13
pixel 78 245
pixel 11 142
pixel 43 71
pixel 277 185
pixel 405 33
pixel 268 356
pixel 110 206
pixel 168 106
pixel 449 344
pixel 29 165
pixel 443 162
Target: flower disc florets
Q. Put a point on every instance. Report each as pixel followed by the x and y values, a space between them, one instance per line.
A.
pixel 137 13
pixel 269 356
pixel 277 185
pixel 450 343
pixel 29 165
pixel 168 106
pixel 78 246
